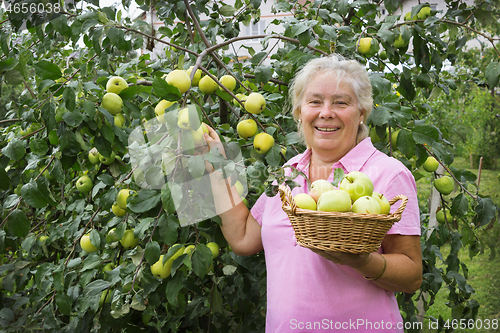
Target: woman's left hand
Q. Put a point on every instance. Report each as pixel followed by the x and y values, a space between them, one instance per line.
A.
pixel 342 258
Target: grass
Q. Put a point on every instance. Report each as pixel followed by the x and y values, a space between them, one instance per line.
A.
pixel 484 272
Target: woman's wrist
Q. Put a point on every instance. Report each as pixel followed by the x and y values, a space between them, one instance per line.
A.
pixel 377 273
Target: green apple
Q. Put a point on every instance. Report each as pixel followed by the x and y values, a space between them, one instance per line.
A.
pixel 94 156
pixel 197 75
pixel 214 247
pixel 107 160
pixel 366 205
pixel 444 185
pixel 357 184
pixel 364 45
pixel 246 128
pixel 334 201
pixel 53 138
pixel 228 81
pixel 178 253
pixel 394 139
pixel 160 270
pixel 408 17
pixel 374 136
pixel 430 164
pixel 116 84
pixel 424 13
pixel 383 55
pixel 241 97
pixel 255 103
pixel 160 109
pixel 183 119
pixel 119 120
pixel 108 267
pixel 263 142
pixel 440 216
pixel 117 210
pixel 399 42
pixel 198 137
pixel 385 207
pixel 189 249
pixel 84 184
pixel 304 201
pixel 111 236
pixel 121 198
pixel 86 245
pixel 105 297
pixel 128 240
pixel 207 85
pixel 112 102
pixel 17 190
pixel 320 186
pixel 43 239
pixel 180 79
pixel 239 188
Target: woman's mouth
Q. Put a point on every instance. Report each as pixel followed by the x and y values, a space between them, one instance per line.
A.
pixel 327 129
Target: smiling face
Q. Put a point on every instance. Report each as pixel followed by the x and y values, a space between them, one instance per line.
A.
pixel 330 116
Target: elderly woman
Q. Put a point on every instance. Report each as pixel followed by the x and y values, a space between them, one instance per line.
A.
pixel 318 291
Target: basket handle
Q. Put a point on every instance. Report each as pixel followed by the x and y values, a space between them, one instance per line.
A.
pixel 402 207
pixel 286 198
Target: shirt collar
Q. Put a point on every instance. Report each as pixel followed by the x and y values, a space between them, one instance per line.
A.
pixel 352 161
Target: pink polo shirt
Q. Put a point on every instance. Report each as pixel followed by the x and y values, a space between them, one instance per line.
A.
pixel 307 293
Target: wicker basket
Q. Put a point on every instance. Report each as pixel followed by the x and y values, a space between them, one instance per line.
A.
pixel 333 231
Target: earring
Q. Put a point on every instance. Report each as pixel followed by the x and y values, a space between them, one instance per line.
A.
pixel 300 121
pixel 361 122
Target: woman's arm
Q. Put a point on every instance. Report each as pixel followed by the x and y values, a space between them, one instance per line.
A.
pixel 403 263
pixel 240 229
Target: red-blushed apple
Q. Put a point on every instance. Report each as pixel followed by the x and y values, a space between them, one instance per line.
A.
pixel 305 201
pixel 320 186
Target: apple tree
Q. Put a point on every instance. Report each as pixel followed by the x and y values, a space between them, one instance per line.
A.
pixel 101 177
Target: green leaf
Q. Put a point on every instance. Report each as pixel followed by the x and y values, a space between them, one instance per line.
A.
pixel 391 5
pixel 196 166
pixel 263 74
pixel 216 300
pixel 64 303
pixel 14 77
pixel 168 228
pixel 73 119
pixel 15 149
pixel 95 288
pixel 8 64
pixel 47 70
pixel 48 116
pixel 174 286
pixel 163 90
pixel 4 180
pixel 202 259
pixel 380 116
pixel 32 195
pixel 144 201
pixel 273 156
pixel 425 134
pixel 485 210
pixel 18 223
pixel 227 10
pixel 152 252
pixel 69 97
pixel 69 144
pixel 39 146
pixel 492 74
pixel 460 205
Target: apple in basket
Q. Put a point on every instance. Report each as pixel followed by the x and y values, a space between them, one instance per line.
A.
pixel 305 201
pixel 366 205
pixel 320 186
pixel 334 201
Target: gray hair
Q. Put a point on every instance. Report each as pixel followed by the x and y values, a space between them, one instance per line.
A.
pixel 348 71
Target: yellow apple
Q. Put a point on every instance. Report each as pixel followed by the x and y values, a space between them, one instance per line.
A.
pixel 424 13
pixel 160 270
pixel 246 128
pixel 86 245
pixel 180 79
pixel 112 102
pixel 118 211
pixel 198 136
pixel 84 184
pixel 119 120
pixel 357 184
pixel 399 42
pixel 385 207
pixel 105 297
pixel 161 107
pixel 334 201
pixel 121 198
pixel 305 201
pixel 228 81
pixel 128 240
pixel 189 249
pixel 366 205
pixel 255 103
pixel 263 142
pixel 364 45
pixel 183 119
pixel 214 247
pixel 207 85
pixel 197 75
pixel 241 97
pixel 94 156
pixel 239 188
pixel 116 84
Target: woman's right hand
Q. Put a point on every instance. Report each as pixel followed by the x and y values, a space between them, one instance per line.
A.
pixel 213 141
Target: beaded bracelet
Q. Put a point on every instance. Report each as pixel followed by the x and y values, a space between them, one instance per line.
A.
pixel 381 272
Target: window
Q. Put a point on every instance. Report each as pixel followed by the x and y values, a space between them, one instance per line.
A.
pixel 256 28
